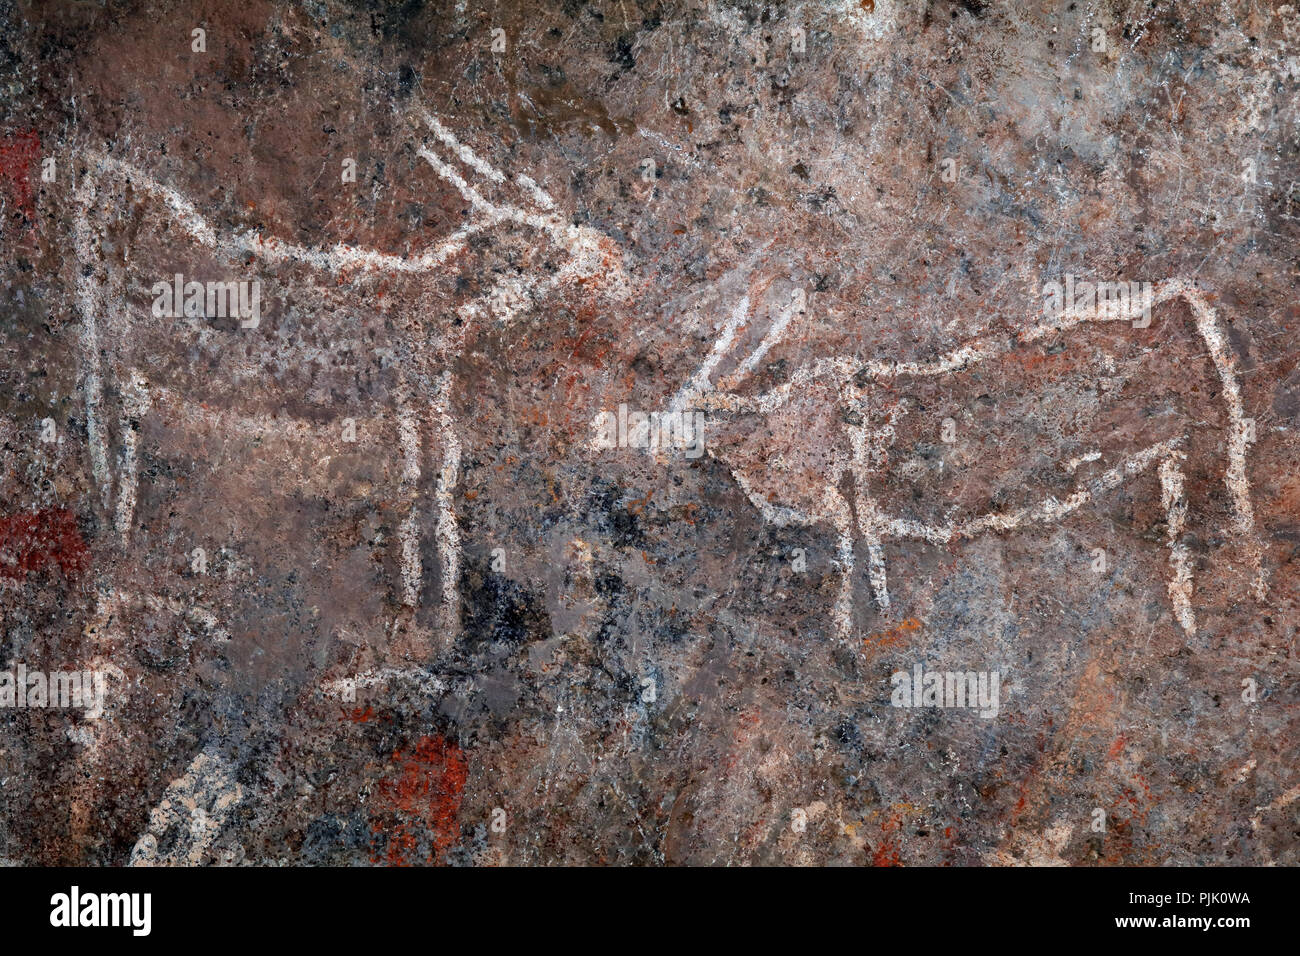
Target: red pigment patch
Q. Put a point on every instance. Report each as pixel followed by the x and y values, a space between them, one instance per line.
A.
pixel 889 851
pixel 17 154
pixel 421 798
pixel 1116 748
pixel 35 541
pixel 887 854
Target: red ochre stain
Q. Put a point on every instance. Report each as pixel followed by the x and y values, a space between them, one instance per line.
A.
pixel 17 153
pixel 359 715
pixel 887 854
pixel 889 851
pixel 420 798
pixel 34 541
pixel 893 637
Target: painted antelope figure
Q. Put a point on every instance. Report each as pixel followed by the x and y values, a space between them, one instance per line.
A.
pixel 116 342
pixel 591 258
pixel 868 426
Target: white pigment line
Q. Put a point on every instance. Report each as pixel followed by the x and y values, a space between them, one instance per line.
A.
pixel 868 515
pixel 963 357
pixel 408 433
pixel 373 678
pixel 332 259
pixel 1046 512
pixel 837 509
pixel 1235 478
pixel 774 335
pixel 869 527
pixel 699 382
pixel 779 515
pixel 190 218
pixel 954 361
pixel 583 243
pixel 539 195
pixel 409 534
pixel 341 257
pixel 89 304
pixel 447 532
pixel 1180 581
pixel 135 402
pixel 1073 464
pixel 467 155
pixel 470 194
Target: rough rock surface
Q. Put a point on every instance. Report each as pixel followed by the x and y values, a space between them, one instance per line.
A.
pixel 364 582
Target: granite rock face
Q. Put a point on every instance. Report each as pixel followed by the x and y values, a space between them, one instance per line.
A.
pixel 614 433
